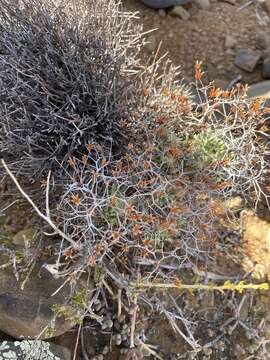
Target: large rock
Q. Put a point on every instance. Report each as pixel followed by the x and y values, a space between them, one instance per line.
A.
pixel 247 59
pixel 27 313
pixel 163 4
pixel 261 89
pixel 266 68
pixel 32 350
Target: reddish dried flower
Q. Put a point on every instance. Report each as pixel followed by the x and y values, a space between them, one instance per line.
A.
pixel 98 249
pixel 146 92
pixel 84 159
pixel 144 253
pixel 116 235
pixel 174 96
pixel 113 201
pixel 161 132
pixel 130 146
pixel 104 162
pixel 198 71
pixel 129 209
pixel 98 147
pixel 255 106
pixel 214 92
pixel 72 162
pixel 90 147
pixel 146 165
pixel 69 254
pixel 174 150
pixel 136 230
pixel 173 210
pixel 137 217
pixel 75 199
pixel 92 260
pixel 147 242
pixel 149 219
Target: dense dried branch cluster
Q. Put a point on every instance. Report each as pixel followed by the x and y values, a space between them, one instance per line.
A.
pixel 65 71
pixel 141 164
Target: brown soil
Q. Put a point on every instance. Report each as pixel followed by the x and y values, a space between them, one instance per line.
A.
pixel 202 37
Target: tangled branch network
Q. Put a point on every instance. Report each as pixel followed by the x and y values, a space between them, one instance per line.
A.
pixel 137 167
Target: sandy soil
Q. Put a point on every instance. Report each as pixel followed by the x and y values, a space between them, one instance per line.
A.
pixel 202 37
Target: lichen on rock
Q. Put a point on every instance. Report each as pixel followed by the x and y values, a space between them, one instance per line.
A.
pixel 32 350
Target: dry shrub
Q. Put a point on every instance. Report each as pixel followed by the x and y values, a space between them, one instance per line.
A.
pixel 146 164
pixel 159 205
pixel 66 70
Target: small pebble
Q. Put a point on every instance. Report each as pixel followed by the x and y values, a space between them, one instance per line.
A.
pixel 105 350
pixel 162 12
pixel 118 339
pixel 262 41
pixel 123 351
pixel 109 323
pixel 180 12
pixel 247 59
pixel 202 4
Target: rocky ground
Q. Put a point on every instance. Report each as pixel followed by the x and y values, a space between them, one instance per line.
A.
pixel 232 44
pixel 238 326
pixel 214 32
